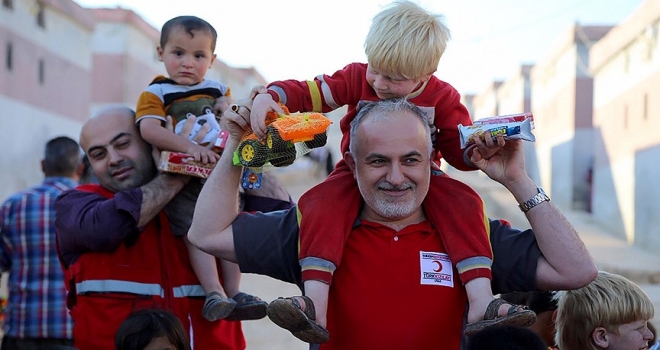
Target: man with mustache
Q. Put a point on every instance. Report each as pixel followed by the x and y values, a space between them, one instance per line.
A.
pixel 395 287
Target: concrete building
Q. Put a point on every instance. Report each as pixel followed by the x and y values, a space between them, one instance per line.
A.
pixel 46 53
pixel 562 89
pixel 514 95
pixel 60 63
pixel 626 117
pixel 486 103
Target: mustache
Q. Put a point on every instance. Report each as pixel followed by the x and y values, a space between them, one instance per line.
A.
pixel 390 187
pixel 123 164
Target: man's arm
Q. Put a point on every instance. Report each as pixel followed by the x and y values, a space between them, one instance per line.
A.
pixel 566 263
pixel 217 204
pixel 156 194
pixel 87 221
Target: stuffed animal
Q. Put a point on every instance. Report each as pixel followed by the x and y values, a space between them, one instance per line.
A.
pixel 207 118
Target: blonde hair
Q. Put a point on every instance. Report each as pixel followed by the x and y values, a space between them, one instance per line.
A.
pixel 406 41
pixel 609 301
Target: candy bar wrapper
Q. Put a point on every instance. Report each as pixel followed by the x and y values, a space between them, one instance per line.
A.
pixel 183 163
pixel 509 118
pixel 511 127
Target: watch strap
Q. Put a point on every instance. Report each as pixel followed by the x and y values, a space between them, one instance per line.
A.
pixel 539 198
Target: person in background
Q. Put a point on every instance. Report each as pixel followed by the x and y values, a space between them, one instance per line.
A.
pixel 544 305
pixel 151 329
pixel 610 313
pixel 506 338
pixel 36 315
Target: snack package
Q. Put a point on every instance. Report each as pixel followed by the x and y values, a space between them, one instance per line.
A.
pixel 183 163
pixel 512 126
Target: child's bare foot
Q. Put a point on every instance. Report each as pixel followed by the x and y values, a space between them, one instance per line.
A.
pixel 497 312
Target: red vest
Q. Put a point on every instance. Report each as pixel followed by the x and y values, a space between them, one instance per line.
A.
pixel 154 271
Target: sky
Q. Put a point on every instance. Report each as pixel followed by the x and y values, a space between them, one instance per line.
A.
pixel 300 39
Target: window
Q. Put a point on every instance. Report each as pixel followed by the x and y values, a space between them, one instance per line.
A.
pixel 8 4
pixel 42 71
pixel 41 21
pixel 10 56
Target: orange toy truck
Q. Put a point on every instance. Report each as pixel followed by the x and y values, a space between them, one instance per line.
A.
pixel 284 131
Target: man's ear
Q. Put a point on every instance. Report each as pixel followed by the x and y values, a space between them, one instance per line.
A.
pixel 599 337
pixel 350 161
pixel 159 52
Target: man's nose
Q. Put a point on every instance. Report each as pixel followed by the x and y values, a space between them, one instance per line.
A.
pixel 396 175
pixel 114 156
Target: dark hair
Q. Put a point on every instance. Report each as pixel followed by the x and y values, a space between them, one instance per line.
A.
pixel 189 24
pixel 61 157
pixel 537 301
pixel 141 327
pixel 506 338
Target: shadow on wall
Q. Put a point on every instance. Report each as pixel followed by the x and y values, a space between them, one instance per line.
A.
pixel 647 192
pixel 606 207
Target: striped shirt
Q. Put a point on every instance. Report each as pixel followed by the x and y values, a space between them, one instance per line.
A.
pixel 36 307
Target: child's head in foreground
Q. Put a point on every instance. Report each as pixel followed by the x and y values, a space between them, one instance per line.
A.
pixel 186 48
pixel 404 45
pixel 611 313
pixel 151 329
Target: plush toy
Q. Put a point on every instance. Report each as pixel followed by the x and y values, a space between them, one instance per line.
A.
pixel 207 118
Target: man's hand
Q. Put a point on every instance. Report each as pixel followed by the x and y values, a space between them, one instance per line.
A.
pixel 221 105
pixel 487 147
pixel 236 119
pixel 507 165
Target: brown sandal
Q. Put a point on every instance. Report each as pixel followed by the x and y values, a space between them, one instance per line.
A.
pixel 517 315
pixel 288 314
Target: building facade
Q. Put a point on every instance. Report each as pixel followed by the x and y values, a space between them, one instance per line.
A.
pixel 61 63
pixel 562 91
pixel 626 117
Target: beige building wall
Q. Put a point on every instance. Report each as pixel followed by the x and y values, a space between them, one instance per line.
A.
pixel 561 104
pixel 626 68
pixel 514 96
pixel 486 104
pixel 45 68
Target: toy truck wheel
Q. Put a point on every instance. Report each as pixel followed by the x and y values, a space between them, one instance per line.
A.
pixel 252 153
pixel 275 140
pixel 283 158
pixel 318 141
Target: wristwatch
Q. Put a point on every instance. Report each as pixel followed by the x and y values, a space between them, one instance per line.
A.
pixel 534 201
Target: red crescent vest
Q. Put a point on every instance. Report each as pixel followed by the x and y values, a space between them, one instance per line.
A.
pixel 154 271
